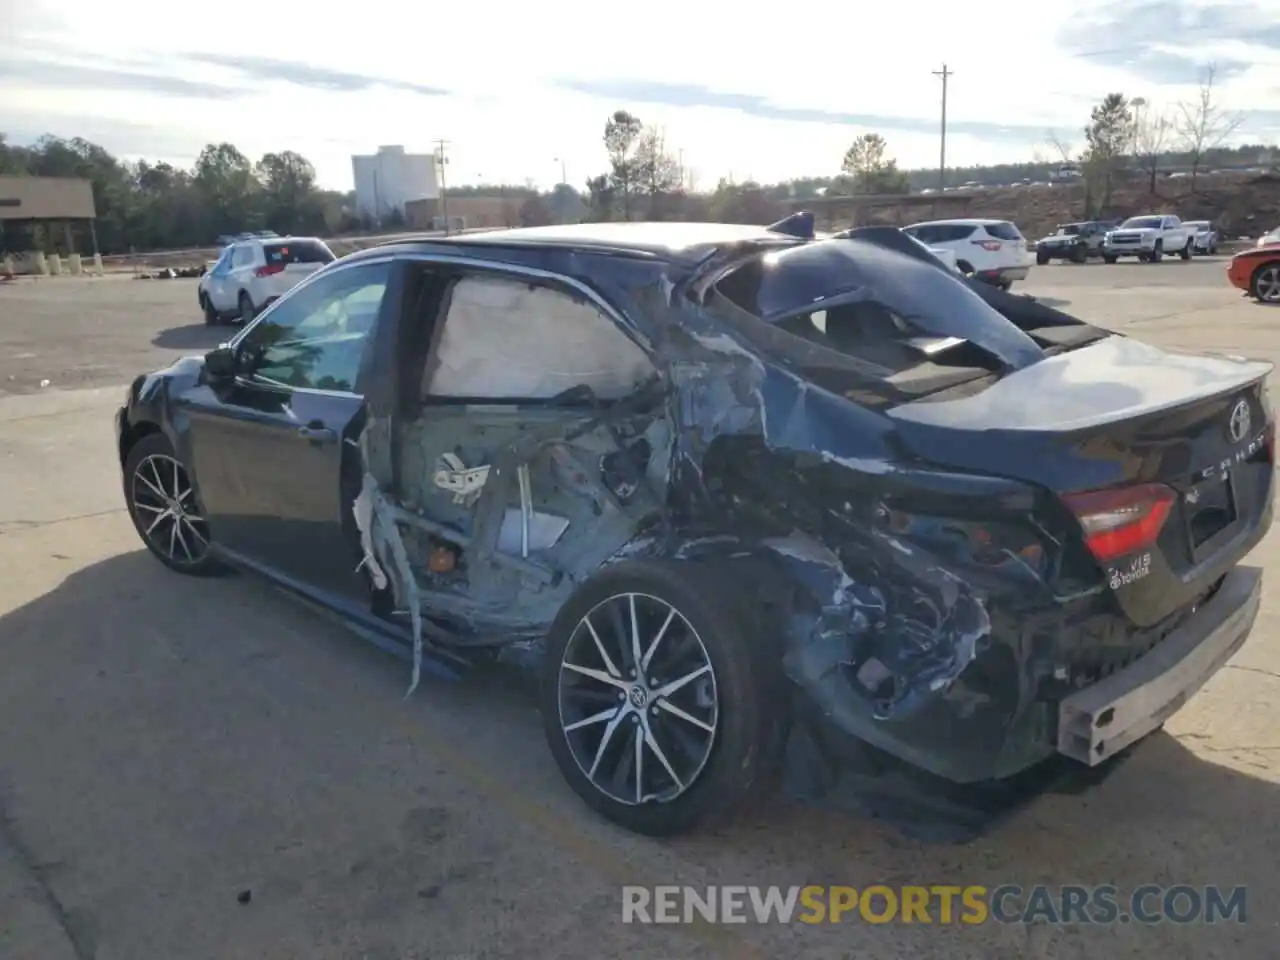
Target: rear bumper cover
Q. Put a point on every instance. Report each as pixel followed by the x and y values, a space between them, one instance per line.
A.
pixel 1099 721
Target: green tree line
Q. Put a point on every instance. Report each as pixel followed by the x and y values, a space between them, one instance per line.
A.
pixel 146 205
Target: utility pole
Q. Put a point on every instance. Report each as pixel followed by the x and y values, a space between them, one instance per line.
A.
pixel 442 159
pixel 945 74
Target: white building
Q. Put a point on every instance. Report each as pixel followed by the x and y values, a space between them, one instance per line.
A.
pixel 387 180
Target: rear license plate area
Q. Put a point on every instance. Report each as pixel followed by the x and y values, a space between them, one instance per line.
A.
pixel 1210 509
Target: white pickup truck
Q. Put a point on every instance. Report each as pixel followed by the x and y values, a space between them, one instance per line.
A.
pixel 1149 238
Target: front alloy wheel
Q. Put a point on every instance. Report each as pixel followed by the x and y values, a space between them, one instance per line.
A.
pixel 163 507
pixel 1266 283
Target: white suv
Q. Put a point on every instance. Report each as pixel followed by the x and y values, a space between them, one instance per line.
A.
pixel 991 250
pixel 250 274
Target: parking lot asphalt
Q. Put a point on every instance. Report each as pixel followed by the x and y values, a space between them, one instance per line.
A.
pixel 206 769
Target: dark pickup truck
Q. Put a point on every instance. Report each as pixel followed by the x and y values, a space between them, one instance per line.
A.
pixel 1076 242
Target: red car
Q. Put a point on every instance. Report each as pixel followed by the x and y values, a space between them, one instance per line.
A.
pixel 1257 272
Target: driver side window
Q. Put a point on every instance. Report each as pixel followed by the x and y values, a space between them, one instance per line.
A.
pixel 315 337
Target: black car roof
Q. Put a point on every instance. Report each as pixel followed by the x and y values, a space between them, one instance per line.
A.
pixel 675 241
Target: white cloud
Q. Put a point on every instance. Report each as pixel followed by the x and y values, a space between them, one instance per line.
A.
pixel 510 68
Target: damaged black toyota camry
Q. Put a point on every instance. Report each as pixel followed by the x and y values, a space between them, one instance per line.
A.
pixel 759 505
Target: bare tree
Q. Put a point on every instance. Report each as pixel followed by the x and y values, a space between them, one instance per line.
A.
pixel 1203 125
pixel 1152 136
pixel 1063 149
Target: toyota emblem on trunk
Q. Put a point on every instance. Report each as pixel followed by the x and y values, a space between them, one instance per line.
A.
pixel 1238 425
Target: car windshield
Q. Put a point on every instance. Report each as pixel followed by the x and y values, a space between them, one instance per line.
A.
pixel 1141 223
pixel 1070 230
pixel 876 305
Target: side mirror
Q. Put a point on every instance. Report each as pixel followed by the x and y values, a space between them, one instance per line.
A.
pixel 220 363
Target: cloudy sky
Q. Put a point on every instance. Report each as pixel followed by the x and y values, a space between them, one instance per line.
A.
pixel 516 88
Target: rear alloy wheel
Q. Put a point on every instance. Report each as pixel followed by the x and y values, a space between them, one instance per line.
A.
pixel 247 312
pixel 163 507
pixel 653 700
pixel 1265 285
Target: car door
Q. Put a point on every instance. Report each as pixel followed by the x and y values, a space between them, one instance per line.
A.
pixel 273 450
pixel 514 364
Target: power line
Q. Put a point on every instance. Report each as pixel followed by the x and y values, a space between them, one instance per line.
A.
pixel 945 74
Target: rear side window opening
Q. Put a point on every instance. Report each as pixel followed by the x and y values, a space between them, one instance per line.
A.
pixel 298 251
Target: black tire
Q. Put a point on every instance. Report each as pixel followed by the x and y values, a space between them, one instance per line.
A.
pixel 1186 252
pixel 965 267
pixel 743 745
pixel 1005 285
pixel 247 311
pixel 148 467
pixel 1109 258
pixel 1157 252
pixel 1260 284
pixel 211 317
pixel 1042 258
pixel 1078 255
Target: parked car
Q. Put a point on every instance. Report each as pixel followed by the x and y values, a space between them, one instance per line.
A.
pixel 251 274
pixel 1206 237
pixel 994 251
pixel 1269 238
pixel 1076 242
pixel 1256 271
pixel 738 492
pixel 1148 238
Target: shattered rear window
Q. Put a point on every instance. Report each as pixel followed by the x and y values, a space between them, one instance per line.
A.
pixel 873 304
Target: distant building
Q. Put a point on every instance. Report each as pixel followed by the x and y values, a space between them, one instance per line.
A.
pixel 389 179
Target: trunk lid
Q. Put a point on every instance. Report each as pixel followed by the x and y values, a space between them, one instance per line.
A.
pixel 1119 413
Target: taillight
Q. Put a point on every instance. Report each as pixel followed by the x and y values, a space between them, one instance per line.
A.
pixel 1123 520
pixel 270 270
pixel 988 244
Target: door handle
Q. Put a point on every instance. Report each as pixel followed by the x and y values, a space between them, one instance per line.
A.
pixel 317 433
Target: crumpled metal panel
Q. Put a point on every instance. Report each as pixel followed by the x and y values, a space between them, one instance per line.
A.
pixel 877 627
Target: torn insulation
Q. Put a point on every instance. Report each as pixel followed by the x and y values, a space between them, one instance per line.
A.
pixel 378 521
